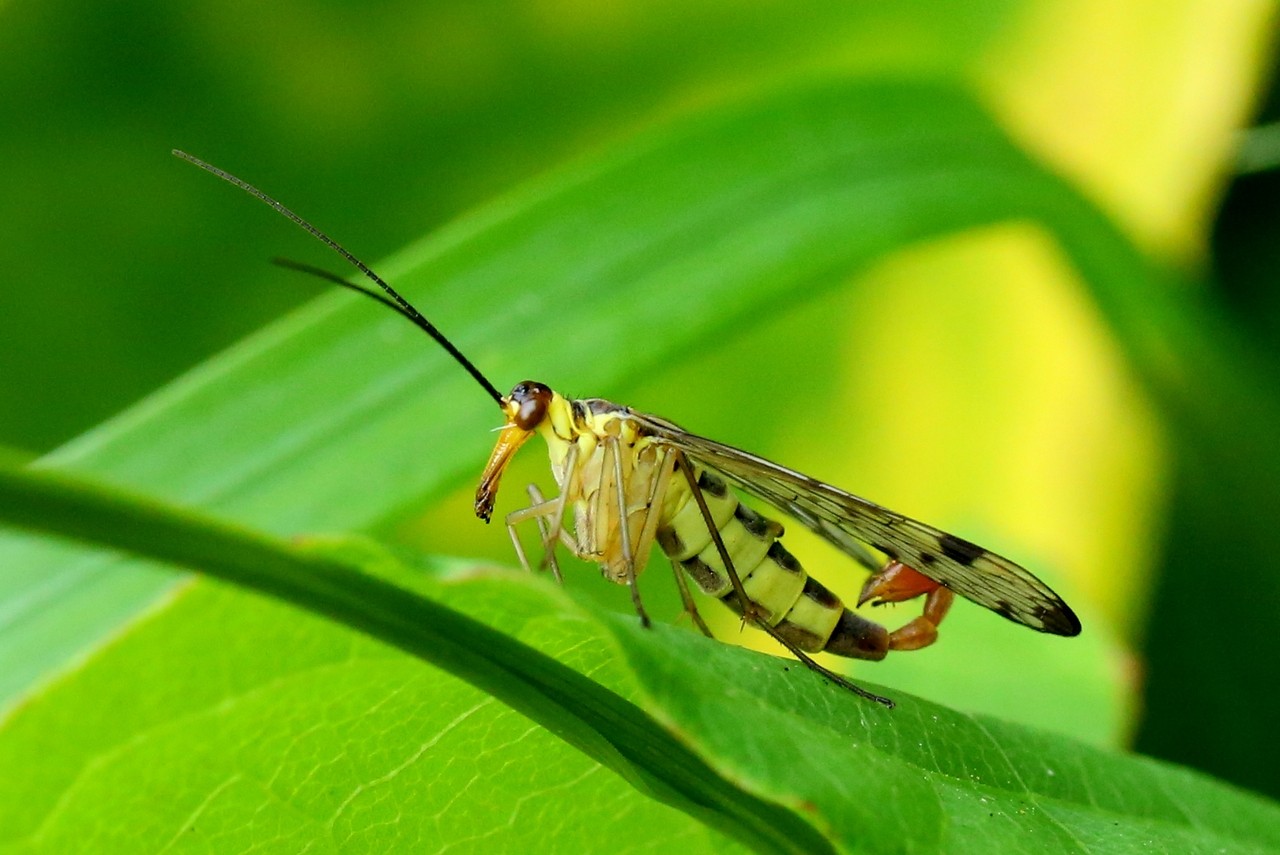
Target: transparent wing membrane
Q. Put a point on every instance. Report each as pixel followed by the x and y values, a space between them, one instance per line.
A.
pixel 849 521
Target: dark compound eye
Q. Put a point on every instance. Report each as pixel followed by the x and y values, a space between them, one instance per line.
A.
pixel 531 400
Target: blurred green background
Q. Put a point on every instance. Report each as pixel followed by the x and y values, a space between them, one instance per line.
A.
pixel 379 122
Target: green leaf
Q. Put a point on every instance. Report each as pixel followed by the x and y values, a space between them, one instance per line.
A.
pixel 335 742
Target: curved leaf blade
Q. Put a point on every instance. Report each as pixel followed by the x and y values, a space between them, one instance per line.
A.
pixel 773 758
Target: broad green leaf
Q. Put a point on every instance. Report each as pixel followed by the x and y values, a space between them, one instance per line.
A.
pixel 248 726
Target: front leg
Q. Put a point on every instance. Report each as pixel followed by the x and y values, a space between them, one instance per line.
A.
pixel 550 517
pixel 549 535
pixel 540 510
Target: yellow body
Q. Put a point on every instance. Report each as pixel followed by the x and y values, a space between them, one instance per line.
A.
pixel 578 434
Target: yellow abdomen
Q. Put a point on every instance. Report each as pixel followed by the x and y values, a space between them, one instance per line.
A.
pixel 797 606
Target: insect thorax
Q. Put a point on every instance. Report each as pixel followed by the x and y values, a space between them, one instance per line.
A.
pixel 588 478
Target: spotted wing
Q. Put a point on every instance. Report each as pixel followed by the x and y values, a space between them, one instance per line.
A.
pixel 848 521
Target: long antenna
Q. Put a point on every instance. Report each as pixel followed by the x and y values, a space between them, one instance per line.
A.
pixel 335 279
pixel 396 302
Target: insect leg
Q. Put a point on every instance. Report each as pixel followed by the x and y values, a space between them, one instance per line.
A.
pixel 548 539
pixel 653 513
pixel 519 548
pixel 538 511
pixel 549 514
pixel 556 530
pixel 624 526
pixel 682 585
pixel 653 516
pixel 653 507
pixel 750 610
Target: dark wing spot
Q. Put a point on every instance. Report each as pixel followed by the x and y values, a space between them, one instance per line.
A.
pixel 927 558
pixel 1003 609
pixel 959 550
pixel 889 551
pixel 1059 621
